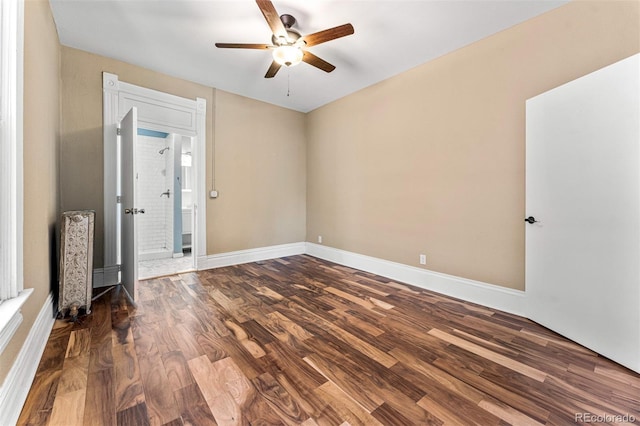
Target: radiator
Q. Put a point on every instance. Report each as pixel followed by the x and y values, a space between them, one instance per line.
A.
pixel 76 262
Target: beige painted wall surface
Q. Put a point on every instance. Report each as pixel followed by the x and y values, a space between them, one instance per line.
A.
pixel 41 140
pixel 432 161
pixel 260 174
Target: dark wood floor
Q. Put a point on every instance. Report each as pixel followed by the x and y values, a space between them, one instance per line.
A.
pixel 303 341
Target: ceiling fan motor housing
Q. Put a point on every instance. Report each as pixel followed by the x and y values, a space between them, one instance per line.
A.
pixel 292 34
pixel 287 20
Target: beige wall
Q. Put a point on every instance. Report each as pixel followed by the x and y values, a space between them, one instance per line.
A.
pixel 432 161
pixel 259 174
pixel 41 142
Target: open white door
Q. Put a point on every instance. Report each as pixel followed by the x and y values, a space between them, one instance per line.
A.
pixel 583 189
pixel 129 260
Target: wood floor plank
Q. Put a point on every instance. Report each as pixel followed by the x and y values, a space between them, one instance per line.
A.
pixel 388 415
pixel 68 409
pixel 258 332
pixel 164 338
pixel 39 404
pixel 507 413
pixel 224 387
pixel 120 332
pixel 101 353
pixel 345 320
pixel 193 407
pixel 177 369
pixel 321 412
pixel 187 341
pixel 55 349
pixel 204 375
pixel 376 288
pixel 348 409
pixel 362 301
pixel 279 400
pixel 100 406
pixel 74 374
pixel 230 305
pixel 161 405
pixel 230 377
pixel 516 400
pixel 618 374
pixel 135 415
pixel 79 343
pixel 300 340
pixel 241 336
pixel 284 329
pixel 129 391
pixel 208 344
pixel 451 408
pixel 490 355
pixel 351 386
pixel 298 378
pixel 437 377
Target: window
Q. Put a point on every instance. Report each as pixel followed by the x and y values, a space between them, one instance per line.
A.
pixel 12 294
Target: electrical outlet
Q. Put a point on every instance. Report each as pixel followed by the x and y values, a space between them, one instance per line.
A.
pixel 423 259
pixel 319 239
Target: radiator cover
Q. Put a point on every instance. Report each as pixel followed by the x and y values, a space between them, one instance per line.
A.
pixel 76 261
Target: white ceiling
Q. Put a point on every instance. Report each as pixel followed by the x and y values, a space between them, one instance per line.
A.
pixel 177 37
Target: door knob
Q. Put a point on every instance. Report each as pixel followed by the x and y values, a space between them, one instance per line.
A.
pixel 531 219
pixel 133 211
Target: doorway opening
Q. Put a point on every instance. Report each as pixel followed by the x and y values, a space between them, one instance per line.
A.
pixel 184 123
pixel 164 191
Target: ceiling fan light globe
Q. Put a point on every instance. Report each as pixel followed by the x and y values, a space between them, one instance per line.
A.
pixel 288 55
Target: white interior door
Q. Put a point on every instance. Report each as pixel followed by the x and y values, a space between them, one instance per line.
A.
pixel 583 188
pixel 129 259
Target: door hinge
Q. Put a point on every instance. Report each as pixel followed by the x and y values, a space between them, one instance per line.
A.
pixel 118 131
pixel 118 198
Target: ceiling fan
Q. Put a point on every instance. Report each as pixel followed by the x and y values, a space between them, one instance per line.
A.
pixel 288 44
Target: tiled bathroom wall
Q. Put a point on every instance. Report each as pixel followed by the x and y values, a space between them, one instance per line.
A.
pixel 155 177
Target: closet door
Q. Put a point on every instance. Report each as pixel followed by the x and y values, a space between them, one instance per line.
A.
pixel 583 191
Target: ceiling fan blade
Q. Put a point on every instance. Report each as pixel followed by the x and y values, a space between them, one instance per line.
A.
pixel 243 46
pixel 273 19
pixel 312 59
pixel 273 69
pixel 328 35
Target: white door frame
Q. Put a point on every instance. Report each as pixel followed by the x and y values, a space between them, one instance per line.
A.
pixel 156 111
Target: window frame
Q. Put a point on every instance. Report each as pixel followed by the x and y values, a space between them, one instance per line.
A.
pixel 12 293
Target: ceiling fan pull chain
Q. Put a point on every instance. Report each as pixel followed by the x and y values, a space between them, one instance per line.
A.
pixel 288 82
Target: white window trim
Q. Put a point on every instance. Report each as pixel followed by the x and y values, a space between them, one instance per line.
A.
pixel 11 169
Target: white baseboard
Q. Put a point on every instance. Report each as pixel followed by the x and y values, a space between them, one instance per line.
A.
pixel 15 388
pixel 251 255
pixel 492 296
pixel 106 277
